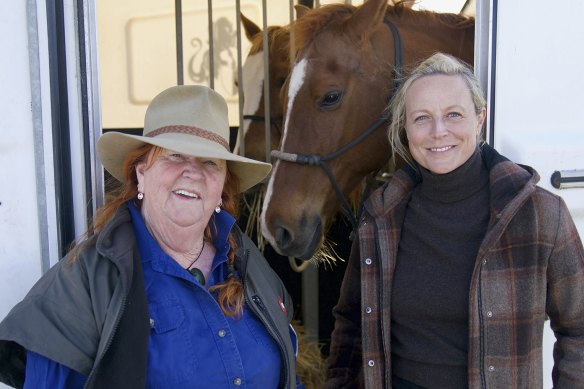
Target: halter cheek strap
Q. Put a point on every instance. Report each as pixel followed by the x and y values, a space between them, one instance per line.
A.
pixel 260 118
pixel 317 160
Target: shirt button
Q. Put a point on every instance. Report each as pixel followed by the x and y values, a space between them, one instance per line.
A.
pixel 237 382
pixel 490 314
pixel 371 363
pixel 368 310
pixel 491 368
pixel 221 333
pixel 368 261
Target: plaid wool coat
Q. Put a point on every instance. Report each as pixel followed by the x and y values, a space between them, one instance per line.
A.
pixel 530 264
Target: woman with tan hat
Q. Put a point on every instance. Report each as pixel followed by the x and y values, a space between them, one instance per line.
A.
pixel 166 291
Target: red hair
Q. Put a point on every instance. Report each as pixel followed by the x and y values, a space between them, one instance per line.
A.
pixel 230 292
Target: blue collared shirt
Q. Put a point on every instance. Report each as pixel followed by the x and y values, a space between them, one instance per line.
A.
pixel 192 344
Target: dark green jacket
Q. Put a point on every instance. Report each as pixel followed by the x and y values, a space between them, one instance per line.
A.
pixel 92 315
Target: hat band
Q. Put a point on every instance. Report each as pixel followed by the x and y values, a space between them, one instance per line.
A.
pixel 180 129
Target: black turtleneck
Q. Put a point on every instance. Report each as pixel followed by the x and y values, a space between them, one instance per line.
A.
pixel 445 222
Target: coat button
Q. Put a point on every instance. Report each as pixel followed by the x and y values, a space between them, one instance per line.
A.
pixel 368 310
pixel 221 333
pixel 237 382
pixel 371 363
pixel 491 368
pixel 490 314
pixel 368 261
pixel 151 323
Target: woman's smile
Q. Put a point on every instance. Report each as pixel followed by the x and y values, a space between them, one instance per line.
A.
pixel 186 194
pixel 441 149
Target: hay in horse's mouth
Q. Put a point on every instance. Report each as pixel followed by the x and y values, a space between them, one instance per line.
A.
pixel 252 203
pixel 326 254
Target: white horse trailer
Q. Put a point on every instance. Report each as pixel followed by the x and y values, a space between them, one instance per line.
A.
pixel 51 113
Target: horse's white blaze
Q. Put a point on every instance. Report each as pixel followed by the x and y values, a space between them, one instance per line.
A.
pixel 296 81
pixel 253 82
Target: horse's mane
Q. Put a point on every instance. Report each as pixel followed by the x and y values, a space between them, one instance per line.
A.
pixel 275 34
pixel 406 14
pixel 331 17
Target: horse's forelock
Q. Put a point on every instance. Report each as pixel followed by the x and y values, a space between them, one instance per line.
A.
pixel 274 33
pixel 279 42
pixel 317 20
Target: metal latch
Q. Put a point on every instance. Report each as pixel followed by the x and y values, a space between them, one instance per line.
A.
pixel 564 179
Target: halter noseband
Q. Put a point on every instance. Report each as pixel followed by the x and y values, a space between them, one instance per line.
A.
pixel 318 160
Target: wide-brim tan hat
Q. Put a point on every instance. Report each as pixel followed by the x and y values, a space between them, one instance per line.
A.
pixel 187 119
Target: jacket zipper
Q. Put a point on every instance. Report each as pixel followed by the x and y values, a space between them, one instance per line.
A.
pixel 109 343
pixel 258 301
pixel 270 327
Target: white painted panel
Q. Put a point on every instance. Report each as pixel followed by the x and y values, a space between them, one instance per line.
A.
pixel 20 263
pixel 539 90
pixel 538 98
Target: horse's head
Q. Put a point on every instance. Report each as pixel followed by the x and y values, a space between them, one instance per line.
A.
pixel 253 86
pixel 338 87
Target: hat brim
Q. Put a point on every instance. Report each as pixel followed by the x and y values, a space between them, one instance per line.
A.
pixel 113 147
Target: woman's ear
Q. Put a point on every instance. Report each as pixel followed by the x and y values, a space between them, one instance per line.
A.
pixel 140 168
pixel 481 120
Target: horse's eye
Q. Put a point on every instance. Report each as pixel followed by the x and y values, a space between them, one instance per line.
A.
pixel 331 100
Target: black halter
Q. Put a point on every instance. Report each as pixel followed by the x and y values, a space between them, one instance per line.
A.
pixel 318 160
pixel 259 118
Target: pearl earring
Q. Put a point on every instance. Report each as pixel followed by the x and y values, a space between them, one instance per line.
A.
pixel 218 207
pixel 140 195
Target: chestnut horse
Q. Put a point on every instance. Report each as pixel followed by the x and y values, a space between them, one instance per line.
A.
pixel 253 87
pixel 334 131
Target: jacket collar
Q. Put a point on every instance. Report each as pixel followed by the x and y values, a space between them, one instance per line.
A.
pixel 117 242
pixel 510 185
pixel 108 243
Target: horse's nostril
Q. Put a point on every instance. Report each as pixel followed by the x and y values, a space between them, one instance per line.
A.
pixel 283 238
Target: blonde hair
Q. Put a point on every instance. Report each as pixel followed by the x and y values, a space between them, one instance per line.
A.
pixel 229 293
pixel 438 63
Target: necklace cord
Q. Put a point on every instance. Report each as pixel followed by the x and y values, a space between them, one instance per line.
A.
pixel 198 256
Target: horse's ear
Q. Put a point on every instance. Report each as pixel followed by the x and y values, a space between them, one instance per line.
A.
pixel 301 10
pixel 368 16
pixel 251 29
